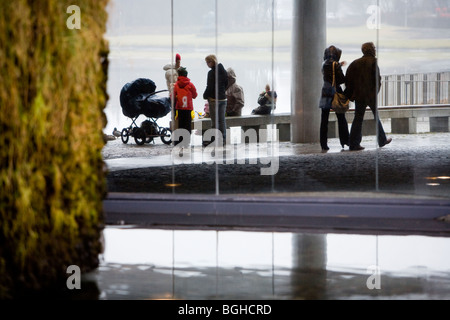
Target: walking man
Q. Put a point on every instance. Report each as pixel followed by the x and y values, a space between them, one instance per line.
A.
pixel 363 82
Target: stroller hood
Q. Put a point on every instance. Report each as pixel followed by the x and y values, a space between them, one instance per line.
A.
pixel 139 98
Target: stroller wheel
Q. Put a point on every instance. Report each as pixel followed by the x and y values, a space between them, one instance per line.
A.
pixel 139 136
pixel 166 135
pixel 124 135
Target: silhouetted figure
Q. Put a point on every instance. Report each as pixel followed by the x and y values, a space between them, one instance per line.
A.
pixel 331 64
pixel 363 82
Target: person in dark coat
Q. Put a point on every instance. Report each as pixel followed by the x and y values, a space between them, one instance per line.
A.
pixel 267 101
pixel 331 59
pixel 363 82
pixel 215 94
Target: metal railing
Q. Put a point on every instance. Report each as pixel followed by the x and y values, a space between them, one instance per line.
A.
pixel 415 89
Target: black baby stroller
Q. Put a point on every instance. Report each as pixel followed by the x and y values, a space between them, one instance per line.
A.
pixel 139 98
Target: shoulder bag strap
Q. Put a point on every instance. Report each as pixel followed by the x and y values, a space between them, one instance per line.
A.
pixel 334 78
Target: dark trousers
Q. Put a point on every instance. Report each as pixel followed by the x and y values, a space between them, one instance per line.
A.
pixel 342 127
pixel 262 110
pixel 184 122
pixel 356 131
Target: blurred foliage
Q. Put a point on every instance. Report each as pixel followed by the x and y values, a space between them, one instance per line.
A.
pixel 52 179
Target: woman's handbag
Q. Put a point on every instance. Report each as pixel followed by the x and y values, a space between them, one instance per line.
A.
pixel 340 103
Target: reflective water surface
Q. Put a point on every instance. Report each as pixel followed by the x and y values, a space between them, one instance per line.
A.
pixel 193 264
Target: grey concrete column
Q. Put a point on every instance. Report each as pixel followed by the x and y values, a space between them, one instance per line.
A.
pixel 309 270
pixel 309 42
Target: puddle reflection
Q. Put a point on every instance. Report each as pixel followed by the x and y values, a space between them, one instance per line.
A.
pixel 178 264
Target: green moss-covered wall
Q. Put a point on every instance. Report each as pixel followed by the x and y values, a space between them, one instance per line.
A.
pixel 52 179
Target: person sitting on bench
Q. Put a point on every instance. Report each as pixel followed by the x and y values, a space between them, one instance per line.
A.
pixel 267 102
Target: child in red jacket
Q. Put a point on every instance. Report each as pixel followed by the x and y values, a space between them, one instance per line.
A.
pixel 184 93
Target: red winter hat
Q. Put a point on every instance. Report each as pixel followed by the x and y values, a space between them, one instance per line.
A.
pixel 178 57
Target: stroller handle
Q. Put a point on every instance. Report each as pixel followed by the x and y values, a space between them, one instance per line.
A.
pixel 156 92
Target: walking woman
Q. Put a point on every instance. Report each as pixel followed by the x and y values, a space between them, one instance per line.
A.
pixel 217 104
pixel 330 66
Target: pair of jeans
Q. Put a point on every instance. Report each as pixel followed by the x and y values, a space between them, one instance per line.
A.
pixel 342 126
pixel 217 114
pixel 356 131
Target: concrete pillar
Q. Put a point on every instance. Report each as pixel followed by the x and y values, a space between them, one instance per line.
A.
pixel 309 43
pixel 309 270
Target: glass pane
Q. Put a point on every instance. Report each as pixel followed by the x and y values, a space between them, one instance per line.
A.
pixel 413 93
pixel 240 35
pixel 414 51
pixel 255 39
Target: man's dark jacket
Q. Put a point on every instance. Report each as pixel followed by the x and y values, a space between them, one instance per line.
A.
pixel 363 80
pixel 210 91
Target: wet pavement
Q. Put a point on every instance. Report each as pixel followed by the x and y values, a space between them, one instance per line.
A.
pixel 411 166
pixel 402 188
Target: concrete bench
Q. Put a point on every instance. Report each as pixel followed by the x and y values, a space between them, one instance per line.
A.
pixel 257 122
pixel 403 120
